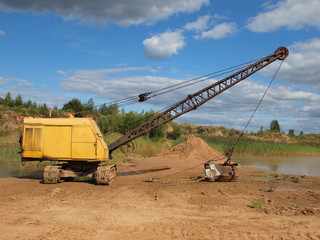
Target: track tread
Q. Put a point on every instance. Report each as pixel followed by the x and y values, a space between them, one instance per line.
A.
pixel 105 174
pixel 51 174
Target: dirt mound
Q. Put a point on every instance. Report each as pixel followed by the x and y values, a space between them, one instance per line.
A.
pixel 193 149
pixel 10 123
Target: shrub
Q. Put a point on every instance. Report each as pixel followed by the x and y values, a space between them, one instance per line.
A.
pixel 176 132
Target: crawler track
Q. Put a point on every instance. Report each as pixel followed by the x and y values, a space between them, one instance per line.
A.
pixel 105 174
pixel 51 174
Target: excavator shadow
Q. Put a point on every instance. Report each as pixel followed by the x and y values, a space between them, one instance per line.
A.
pixel 38 175
pixel 137 172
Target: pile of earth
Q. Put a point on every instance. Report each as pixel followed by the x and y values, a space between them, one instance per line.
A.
pixel 193 148
pixel 192 152
pixel 10 121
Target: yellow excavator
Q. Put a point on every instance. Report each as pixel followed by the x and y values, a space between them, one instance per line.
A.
pixel 78 146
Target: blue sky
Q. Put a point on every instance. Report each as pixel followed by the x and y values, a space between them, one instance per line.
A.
pixel 53 51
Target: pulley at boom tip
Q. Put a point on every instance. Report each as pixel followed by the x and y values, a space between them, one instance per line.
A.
pixel 282 53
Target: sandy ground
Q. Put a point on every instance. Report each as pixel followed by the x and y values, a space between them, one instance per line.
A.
pixel 259 205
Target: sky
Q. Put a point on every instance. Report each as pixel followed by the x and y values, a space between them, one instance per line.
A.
pixel 54 51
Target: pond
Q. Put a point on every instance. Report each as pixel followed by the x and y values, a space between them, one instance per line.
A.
pixel 18 170
pixel 10 163
pixel 291 165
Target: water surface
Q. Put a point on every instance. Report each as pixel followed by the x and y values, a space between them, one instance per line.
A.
pixel 291 165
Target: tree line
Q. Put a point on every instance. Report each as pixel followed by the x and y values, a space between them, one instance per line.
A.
pixel 28 107
pixel 108 117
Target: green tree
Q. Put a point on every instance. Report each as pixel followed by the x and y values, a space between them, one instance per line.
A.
pixel 28 104
pixel 128 122
pixel 89 106
pixel 260 132
pixel 157 133
pixel 291 132
pixel 201 130
pixel 8 101
pixel 176 132
pixel 274 126
pixel 108 123
pixel 103 109
pixel 112 109
pixel 43 109
pixel 18 101
pixel 73 105
pixel 34 105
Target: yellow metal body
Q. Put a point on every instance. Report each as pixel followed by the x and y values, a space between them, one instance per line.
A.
pixel 63 139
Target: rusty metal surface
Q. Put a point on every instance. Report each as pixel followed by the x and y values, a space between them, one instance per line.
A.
pixel 228 173
pixel 196 99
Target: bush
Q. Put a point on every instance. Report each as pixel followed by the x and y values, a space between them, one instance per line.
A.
pixel 108 124
pixel 73 105
pixel 275 126
pixel 176 132
pixel 158 132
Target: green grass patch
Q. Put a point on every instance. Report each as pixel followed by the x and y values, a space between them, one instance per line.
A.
pixel 143 146
pixel 9 154
pixel 262 148
pixel 268 177
pixel 82 179
pixel 110 138
pixel 261 176
pixel 258 203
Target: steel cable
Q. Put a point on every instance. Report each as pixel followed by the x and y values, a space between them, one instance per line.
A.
pixel 133 99
pixel 256 108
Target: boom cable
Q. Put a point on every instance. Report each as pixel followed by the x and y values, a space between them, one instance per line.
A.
pixel 146 96
pixel 229 153
pixel 133 99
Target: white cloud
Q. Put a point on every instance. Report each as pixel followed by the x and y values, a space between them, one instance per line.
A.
pixel 63 73
pixel 23 83
pixel 231 108
pixel 27 90
pixel 223 30
pixel 234 107
pixel 292 14
pixel 2 81
pixel 100 73
pixel 112 89
pixel 122 12
pixel 199 25
pixel 17 82
pixel 103 83
pixel 302 64
pixel 2 33
pixel 164 45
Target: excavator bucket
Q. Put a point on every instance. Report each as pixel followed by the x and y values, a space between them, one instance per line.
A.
pixel 220 172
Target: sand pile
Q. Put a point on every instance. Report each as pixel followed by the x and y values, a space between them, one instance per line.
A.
pixel 193 149
pixel 190 153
